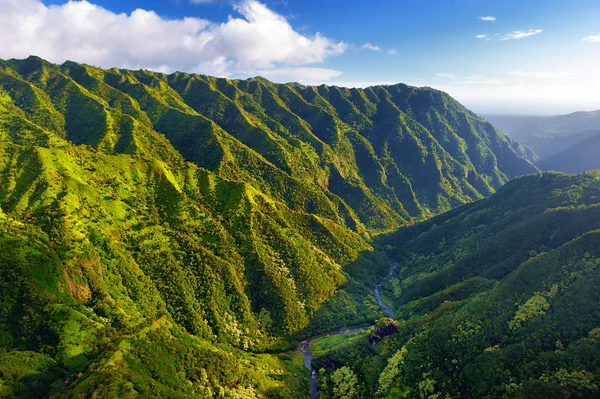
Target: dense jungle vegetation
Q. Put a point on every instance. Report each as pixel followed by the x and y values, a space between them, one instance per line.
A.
pixel 168 235
pixel 496 299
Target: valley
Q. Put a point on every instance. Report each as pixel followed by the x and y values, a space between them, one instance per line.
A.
pixel 386 309
pixel 305 345
pixel 494 285
pixel 180 235
pixel 305 349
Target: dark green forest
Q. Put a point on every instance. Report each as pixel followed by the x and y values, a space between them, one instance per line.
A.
pixel 176 236
pixel 496 299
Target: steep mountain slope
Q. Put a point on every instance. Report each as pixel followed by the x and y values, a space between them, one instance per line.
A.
pixel 372 159
pixel 157 228
pixel 114 252
pixel 498 298
pixel 577 158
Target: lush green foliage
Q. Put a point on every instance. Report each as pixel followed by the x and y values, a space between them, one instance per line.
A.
pixel 495 299
pixel 345 384
pixel 157 231
pixel 374 158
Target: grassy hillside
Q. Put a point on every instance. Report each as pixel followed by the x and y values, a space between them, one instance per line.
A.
pixel 495 299
pixel 158 232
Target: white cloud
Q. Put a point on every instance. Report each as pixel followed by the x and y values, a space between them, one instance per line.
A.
pixel 543 75
pixel 566 88
pixel 84 32
pixel 490 19
pixel 533 97
pixel 481 36
pixel 483 82
pixel 472 80
pixel 303 75
pixel 220 67
pixel 392 51
pixel 445 75
pixel 370 47
pixel 593 39
pixel 520 34
pixel 359 84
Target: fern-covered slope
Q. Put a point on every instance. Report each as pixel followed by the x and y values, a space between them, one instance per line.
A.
pixel 100 247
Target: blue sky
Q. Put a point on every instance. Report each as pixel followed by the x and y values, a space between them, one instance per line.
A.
pixel 527 56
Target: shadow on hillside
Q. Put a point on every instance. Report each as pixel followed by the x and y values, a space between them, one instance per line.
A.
pixel 354 303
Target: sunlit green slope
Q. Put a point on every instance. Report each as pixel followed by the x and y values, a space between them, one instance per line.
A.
pixel 107 247
pixel 157 229
pixel 372 159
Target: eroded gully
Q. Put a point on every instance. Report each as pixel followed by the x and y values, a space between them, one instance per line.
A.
pixel 305 345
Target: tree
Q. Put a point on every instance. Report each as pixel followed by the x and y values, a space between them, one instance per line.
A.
pixel 264 318
pixel 345 384
pixel 391 372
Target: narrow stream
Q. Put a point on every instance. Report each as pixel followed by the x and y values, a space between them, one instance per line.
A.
pixel 305 345
pixel 314 388
pixel 305 349
pixel 386 309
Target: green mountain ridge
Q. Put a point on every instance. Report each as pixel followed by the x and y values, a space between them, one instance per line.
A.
pixel 349 154
pixel 160 231
pixel 179 256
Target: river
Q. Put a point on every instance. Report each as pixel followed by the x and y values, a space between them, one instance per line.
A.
pixel 386 309
pixel 305 345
